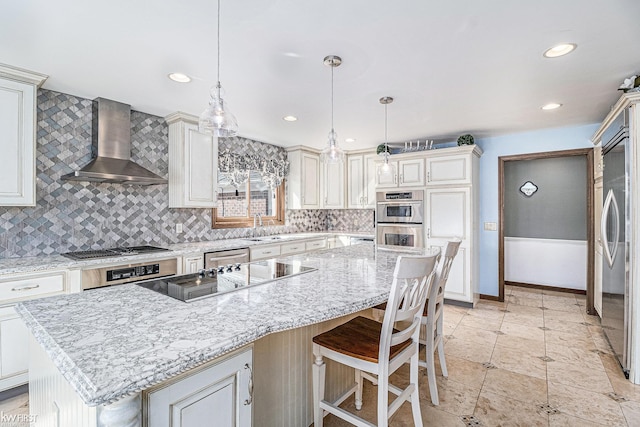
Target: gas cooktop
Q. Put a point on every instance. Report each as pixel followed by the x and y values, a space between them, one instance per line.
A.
pixel 208 283
pixel 112 252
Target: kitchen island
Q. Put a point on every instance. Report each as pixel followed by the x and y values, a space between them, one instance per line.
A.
pixel 113 343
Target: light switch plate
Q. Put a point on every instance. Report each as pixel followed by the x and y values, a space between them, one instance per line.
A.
pixel 178 228
pixel 491 226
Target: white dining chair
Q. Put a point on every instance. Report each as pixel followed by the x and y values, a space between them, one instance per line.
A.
pixel 376 350
pixel 432 320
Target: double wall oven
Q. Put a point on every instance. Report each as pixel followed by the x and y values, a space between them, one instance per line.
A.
pixel 399 219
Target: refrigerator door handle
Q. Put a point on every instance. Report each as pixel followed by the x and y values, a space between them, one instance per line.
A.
pixel 610 202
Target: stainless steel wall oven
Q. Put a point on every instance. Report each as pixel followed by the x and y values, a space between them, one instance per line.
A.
pixel 399 219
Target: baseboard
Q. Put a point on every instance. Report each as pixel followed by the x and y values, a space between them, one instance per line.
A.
pixel 490 297
pixel 458 303
pixel 546 288
pixel 13 392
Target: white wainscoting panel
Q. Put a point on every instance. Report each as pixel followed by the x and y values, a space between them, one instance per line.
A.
pixel 283 393
pixel 549 262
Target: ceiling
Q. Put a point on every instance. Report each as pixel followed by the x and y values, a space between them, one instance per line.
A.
pixel 453 67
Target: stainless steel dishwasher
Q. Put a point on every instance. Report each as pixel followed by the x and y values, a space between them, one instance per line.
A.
pixel 226 257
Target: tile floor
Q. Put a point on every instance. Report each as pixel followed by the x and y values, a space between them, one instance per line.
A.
pixel 535 360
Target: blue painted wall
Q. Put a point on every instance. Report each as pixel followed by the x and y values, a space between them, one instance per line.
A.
pixel 521 143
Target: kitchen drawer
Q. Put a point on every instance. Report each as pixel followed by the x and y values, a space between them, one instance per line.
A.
pixel 292 248
pixel 315 244
pixel 263 252
pixel 32 286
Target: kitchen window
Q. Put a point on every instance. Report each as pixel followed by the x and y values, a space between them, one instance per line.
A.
pixel 237 207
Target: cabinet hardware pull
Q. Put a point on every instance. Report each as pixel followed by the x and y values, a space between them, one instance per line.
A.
pixel 395 178
pixel 250 385
pixel 428 176
pixel 428 233
pixel 401 178
pixel 24 287
pixel 267 252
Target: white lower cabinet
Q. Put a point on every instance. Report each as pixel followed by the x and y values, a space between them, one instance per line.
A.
pixel 14 349
pixel 14 336
pixel 264 252
pixel 217 394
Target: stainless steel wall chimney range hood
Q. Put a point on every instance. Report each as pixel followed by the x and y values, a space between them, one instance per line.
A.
pixel 111 148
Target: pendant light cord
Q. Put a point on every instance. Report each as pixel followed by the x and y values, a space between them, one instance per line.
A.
pixel 218 42
pixel 332 67
pixel 386 140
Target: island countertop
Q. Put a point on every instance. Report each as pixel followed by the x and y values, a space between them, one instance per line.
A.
pixel 116 341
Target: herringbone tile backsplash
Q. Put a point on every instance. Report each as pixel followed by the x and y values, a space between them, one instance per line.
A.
pixel 79 216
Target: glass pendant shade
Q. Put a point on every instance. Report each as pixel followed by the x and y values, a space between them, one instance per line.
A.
pixel 216 119
pixel 387 169
pixel 332 153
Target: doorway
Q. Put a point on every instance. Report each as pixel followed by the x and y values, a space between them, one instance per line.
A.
pixel 527 207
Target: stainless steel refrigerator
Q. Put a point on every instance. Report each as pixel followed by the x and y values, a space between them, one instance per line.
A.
pixel 615 232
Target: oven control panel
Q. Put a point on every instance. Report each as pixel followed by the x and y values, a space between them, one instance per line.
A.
pixel 126 273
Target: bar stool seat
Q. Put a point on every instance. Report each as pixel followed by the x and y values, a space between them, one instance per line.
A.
pixel 359 338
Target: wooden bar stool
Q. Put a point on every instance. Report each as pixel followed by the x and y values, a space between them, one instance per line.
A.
pixel 432 321
pixel 376 350
pixel 432 318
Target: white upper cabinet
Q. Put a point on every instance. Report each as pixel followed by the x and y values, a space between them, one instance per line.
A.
pixel 18 90
pixel 193 164
pixel 303 183
pixel 449 170
pixel 406 173
pixel 361 181
pixel 333 186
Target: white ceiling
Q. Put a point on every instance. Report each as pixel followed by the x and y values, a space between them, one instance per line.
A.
pixel 453 67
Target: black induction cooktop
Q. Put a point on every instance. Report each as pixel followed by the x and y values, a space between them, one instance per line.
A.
pixel 208 283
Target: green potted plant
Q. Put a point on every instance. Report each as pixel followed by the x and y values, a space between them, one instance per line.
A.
pixel 382 148
pixel 466 139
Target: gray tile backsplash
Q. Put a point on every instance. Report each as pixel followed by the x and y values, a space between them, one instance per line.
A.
pixel 79 216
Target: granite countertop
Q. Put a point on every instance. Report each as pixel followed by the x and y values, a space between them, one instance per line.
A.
pixel 52 262
pixel 116 341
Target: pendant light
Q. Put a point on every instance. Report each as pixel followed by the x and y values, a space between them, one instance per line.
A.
pixel 216 118
pixel 332 153
pixel 386 168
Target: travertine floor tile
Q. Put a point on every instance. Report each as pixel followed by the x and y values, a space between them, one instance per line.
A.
pixel 563 420
pixel 581 403
pixel 517 290
pixel 566 305
pixel 564 326
pixel 468 350
pixel 481 323
pixel 480 336
pixel 497 410
pixel 577 375
pixel 535 320
pixel 565 354
pixel 522 331
pixel 517 386
pixel 455 398
pixel 521 362
pixel 631 411
pixel 519 343
pixel 570 339
pixel 462 371
pixel 434 416
pixel 531 300
pixel 563 316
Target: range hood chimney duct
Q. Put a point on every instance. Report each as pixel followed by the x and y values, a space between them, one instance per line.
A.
pixel 111 149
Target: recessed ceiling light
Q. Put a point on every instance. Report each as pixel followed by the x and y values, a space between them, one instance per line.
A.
pixel 180 77
pixel 560 50
pixel 551 106
pixel 350 140
pixel 289 118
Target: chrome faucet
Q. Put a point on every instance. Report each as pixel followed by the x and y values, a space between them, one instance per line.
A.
pixel 257 218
